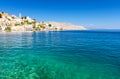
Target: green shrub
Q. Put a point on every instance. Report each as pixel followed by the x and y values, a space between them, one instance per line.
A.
pixel 0 28
pixel 17 24
pixel 61 29
pixel 8 28
pixel 56 28
pixel 29 23
pixel 37 29
pixel 22 23
pixel 42 26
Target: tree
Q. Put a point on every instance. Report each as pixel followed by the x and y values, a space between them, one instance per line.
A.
pixel 50 25
pixel 2 12
pixel 0 15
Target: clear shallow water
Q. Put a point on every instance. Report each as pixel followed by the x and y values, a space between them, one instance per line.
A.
pixel 60 55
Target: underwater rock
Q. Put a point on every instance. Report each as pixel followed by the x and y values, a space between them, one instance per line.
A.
pixel 34 76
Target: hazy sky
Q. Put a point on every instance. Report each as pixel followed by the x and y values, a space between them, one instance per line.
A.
pixel 89 13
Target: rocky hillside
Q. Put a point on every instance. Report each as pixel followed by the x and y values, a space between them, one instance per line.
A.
pixel 25 23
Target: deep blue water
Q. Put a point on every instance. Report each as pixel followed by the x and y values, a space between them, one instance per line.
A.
pixel 60 55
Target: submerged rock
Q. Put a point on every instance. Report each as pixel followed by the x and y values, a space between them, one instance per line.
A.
pixel 34 76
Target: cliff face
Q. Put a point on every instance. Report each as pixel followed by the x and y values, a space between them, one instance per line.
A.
pixel 13 23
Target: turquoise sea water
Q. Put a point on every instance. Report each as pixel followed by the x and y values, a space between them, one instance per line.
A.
pixel 60 55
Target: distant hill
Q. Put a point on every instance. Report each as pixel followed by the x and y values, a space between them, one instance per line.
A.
pixel 67 26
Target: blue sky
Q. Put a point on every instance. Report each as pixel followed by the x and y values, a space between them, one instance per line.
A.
pixel 97 14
